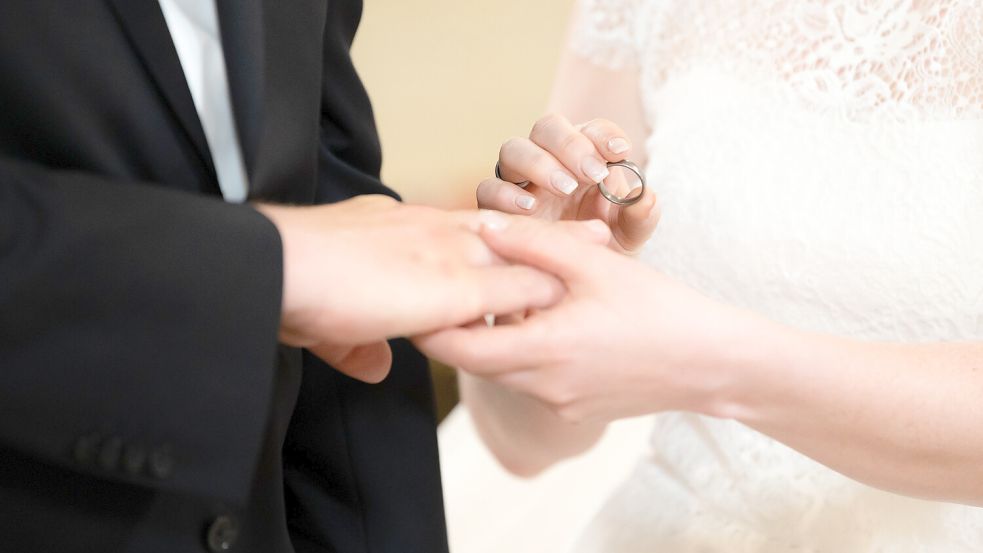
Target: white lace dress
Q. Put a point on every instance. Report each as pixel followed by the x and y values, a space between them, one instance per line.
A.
pixel 820 162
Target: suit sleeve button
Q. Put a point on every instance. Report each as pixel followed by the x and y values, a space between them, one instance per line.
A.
pixel 134 459
pixel 222 534
pixel 86 448
pixel 161 462
pixel 109 453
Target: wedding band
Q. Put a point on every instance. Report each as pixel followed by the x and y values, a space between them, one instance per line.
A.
pixel 498 175
pixel 629 199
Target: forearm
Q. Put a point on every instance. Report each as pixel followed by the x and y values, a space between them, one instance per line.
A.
pixel 123 303
pixel 901 417
pixel 524 435
pixel 905 418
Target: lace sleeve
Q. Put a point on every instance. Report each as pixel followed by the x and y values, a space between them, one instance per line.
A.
pixel 607 32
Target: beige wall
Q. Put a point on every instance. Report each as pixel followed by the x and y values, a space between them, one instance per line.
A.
pixel 450 80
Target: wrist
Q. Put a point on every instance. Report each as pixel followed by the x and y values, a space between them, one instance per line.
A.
pixel 525 436
pixel 749 366
pixel 292 306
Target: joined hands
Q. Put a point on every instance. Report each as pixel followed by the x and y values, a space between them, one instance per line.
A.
pixel 364 270
pixel 578 318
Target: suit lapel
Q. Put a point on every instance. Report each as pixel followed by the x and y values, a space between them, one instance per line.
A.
pixel 243 40
pixel 147 30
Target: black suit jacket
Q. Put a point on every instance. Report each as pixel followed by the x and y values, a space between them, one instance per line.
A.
pixel 144 403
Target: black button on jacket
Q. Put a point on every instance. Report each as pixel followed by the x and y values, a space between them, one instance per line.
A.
pixel 143 397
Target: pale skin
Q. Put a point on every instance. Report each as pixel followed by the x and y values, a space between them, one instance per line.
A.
pixel 901 417
pixel 364 270
pixel 523 433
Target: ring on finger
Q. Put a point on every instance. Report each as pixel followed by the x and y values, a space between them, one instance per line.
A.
pixel 498 175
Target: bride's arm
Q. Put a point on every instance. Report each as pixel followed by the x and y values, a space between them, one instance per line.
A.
pixel 902 417
pixel 523 434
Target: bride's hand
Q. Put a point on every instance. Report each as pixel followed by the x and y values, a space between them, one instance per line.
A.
pixel 626 340
pixel 562 163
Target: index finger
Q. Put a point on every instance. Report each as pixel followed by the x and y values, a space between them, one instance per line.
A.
pixel 609 139
pixel 636 223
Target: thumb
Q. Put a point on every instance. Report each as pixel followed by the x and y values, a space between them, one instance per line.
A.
pixel 636 223
pixel 370 363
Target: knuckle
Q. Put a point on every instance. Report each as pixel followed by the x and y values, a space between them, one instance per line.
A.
pixel 487 184
pixel 510 147
pixel 438 243
pixel 573 141
pixel 571 413
pixel 484 187
pixel 599 129
pixel 556 396
pixel 546 123
pixel 485 192
pixel 544 164
pixel 592 126
pixel 564 402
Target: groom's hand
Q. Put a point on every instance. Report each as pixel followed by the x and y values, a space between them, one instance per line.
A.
pixel 364 270
pixel 563 163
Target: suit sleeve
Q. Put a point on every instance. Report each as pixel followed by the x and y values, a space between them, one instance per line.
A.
pixel 350 156
pixel 137 330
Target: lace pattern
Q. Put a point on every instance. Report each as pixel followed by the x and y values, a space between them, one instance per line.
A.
pixel 610 32
pixel 859 59
pixel 820 162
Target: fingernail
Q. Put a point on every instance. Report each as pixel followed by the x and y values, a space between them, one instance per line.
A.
pixel 563 182
pixel 525 202
pixel 618 145
pixel 492 220
pixel 594 169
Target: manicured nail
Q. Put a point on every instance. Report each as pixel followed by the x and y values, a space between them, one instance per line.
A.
pixel 492 220
pixel 563 182
pixel 525 202
pixel 618 145
pixel 594 169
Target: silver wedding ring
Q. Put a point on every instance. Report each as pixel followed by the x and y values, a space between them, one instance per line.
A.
pixel 633 195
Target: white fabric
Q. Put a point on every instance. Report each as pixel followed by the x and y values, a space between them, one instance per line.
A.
pixel 820 162
pixel 194 28
pixel 486 506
